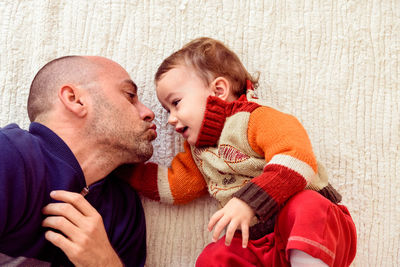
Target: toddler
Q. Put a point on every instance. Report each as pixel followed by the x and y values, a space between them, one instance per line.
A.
pixel 276 206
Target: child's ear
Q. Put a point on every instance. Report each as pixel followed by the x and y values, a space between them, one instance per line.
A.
pixel 71 98
pixel 221 88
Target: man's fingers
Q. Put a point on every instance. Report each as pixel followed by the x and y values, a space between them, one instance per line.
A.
pixel 63 225
pixel 76 200
pixel 245 234
pixel 214 219
pixel 64 209
pixel 60 241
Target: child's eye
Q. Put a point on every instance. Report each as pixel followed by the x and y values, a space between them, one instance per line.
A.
pixel 176 102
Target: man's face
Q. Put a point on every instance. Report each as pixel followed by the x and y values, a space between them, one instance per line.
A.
pixel 120 121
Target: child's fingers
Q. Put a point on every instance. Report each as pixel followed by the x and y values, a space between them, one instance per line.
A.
pixel 230 231
pixel 245 234
pixel 222 223
pixel 214 219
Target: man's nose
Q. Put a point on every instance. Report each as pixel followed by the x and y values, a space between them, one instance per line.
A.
pixel 146 113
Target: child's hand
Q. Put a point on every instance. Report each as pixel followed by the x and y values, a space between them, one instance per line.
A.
pixel 236 213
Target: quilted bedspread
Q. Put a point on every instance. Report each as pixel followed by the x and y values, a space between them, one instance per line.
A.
pixel 333 64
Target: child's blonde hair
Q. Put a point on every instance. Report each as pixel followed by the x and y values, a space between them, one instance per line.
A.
pixel 210 59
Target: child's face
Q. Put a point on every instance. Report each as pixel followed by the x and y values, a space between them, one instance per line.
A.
pixel 184 95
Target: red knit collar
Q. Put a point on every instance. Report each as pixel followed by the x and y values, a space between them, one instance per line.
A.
pixel 217 110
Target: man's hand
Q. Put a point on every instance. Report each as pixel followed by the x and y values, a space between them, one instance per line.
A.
pixel 85 242
pixel 236 213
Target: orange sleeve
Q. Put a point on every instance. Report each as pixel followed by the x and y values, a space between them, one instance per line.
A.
pixel 271 132
pixel 179 184
pixel 185 180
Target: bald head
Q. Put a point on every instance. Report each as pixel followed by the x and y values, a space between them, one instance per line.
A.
pixel 76 70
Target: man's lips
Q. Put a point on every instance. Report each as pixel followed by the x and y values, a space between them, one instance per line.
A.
pixel 153 129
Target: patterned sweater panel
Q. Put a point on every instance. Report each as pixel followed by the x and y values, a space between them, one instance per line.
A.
pixel 232 163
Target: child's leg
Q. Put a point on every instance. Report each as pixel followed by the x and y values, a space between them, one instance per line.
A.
pixel 308 222
pixel 299 258
pixel 313 224
pixel 218 254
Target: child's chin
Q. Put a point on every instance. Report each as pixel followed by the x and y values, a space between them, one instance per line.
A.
pixel 191 142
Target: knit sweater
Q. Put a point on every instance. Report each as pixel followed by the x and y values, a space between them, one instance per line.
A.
pixel 245 150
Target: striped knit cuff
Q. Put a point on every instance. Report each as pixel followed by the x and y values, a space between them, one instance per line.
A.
pixel 330 193
pixel 262 204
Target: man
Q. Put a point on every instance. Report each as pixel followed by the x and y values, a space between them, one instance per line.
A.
pixel 86 121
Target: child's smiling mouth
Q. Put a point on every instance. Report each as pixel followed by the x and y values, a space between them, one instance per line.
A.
pixel 182 131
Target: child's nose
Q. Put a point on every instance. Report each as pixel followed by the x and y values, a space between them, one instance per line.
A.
pixel 172 119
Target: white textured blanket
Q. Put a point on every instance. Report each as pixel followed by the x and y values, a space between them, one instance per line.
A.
pixel 333 64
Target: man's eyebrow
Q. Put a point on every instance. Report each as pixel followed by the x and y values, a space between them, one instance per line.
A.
pixel 130 82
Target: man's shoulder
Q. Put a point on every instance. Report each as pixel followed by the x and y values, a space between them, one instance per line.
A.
pixel 12 128
pixel 13 139
pixel 13 135
pixel 21 160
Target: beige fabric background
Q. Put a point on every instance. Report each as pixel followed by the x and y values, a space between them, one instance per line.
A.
pixel 333 64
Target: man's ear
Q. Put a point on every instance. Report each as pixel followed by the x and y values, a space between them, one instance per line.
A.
pixel 221 88
pixel 70 97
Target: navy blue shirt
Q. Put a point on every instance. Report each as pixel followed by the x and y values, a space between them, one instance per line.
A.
pixel 34 163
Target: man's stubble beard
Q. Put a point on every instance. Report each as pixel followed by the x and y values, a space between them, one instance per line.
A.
pixel 120 142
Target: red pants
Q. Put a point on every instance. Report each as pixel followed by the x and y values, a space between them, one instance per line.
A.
pixel 308 222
